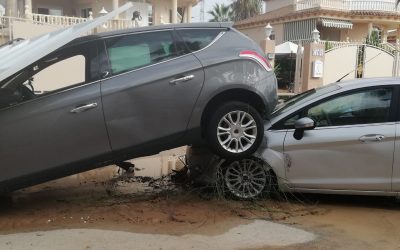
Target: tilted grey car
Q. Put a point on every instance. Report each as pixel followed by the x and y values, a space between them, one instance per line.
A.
pixel 340 139
pixel 109 97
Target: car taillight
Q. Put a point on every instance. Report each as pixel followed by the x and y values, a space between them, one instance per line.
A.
pixel 259 58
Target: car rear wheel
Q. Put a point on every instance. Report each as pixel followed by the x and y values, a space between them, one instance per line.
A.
pixel 235 130
pixel 247 178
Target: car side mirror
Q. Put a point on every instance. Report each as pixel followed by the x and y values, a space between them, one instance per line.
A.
pixel 302 125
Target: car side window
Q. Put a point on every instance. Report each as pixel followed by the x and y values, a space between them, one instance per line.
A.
pixel 363 107
pixel 289 123
pixel 51 74
pixel 197 39
pixel 134 51
pixel 44 81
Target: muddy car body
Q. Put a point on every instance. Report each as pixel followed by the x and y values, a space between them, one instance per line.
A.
pixel 142 91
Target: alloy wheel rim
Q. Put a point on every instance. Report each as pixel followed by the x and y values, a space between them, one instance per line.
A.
pixel 237 131
pixel 246 179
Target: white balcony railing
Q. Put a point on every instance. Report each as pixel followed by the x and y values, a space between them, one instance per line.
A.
pixel 118 24
pixel 67 21
pixel 386 6
pixel 348 5
pixel 57 20
pixel 312 4
pixel 7 27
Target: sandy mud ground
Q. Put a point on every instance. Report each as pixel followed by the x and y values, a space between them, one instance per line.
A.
pixel 99 200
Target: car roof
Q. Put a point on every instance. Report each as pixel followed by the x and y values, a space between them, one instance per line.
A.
pixel 210 25
pixel 167 26
pixel 368 82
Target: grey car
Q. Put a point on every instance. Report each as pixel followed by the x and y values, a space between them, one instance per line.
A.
pixel 338 139
pixel 109 97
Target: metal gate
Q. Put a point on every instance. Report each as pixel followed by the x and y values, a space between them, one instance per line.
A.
pixel 353 61
pixel 340 63
pixel 378 62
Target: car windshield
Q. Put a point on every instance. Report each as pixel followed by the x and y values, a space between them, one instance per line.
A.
pixel 303 98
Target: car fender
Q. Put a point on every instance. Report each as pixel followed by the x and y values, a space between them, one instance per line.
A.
pixel 208 95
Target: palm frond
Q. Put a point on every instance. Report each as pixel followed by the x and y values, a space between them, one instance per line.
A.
pixel 244 9
pixel 221 13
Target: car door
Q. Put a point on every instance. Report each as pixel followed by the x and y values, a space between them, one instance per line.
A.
pixel 351 147
pixel 57 121
pixel 150 94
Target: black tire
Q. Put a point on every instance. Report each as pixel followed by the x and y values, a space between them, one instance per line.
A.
pixel 232 174
pixel 246 148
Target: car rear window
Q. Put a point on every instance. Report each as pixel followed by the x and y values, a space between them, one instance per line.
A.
pixel 139 50
pixel 197 39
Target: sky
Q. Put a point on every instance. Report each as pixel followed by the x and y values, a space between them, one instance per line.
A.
pixel 208 6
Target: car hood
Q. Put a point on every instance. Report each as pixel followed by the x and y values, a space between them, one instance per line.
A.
pixel 15 57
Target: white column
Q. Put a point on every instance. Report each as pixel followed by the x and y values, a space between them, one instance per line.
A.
pixel 174 8
pixel 28 9
pixel 189 13
pixel 185 15
pixel 187 18
pixel 396 67
pixel 115 6
pixel 384 34
pixel 11 8
pixel 370 28
pixel 398 33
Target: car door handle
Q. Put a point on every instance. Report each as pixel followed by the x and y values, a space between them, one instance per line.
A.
pixel 371 138
pixel 83 108
pixel 182 79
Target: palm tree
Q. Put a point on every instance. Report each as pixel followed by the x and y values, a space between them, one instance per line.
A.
pixel 244 9
pixel 221 13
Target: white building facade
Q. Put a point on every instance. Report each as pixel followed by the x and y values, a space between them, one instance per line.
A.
pixel 336 20
pixel 48 15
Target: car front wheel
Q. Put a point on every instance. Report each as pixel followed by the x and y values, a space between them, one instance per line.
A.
pixel 235 130
pixel 247 178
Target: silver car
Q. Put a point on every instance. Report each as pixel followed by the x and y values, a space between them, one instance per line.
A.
pixel 70 106
pixel 339 139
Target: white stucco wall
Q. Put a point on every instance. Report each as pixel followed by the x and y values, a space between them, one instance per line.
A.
pixel 258 33
pixel 29 30
pixel 279 33
pixel 358 33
